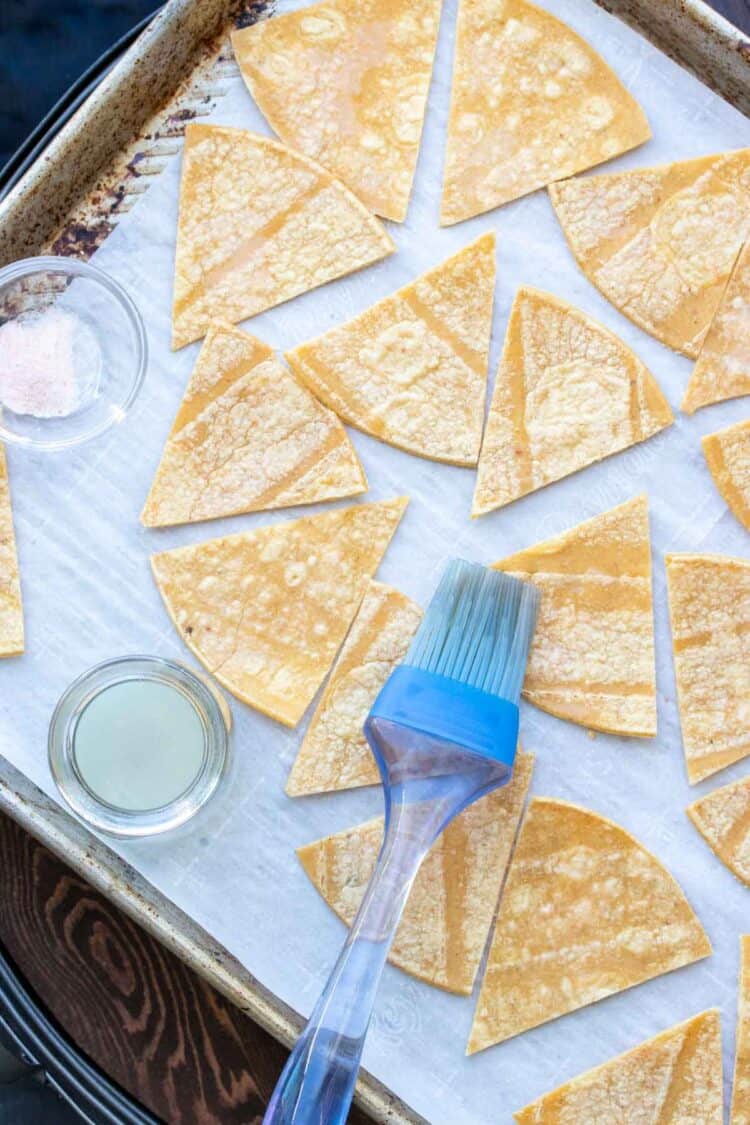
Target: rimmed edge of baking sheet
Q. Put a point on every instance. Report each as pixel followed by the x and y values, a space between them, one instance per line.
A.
pixel 68 202
pixel 697 38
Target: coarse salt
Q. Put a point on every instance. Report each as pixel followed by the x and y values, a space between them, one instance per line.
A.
pixel 37 367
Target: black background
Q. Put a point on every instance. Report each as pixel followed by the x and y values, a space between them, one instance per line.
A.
pixel 44 46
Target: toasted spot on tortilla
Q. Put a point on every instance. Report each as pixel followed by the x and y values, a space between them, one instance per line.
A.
pixel 266 611
pixel 592 658
pixel 346 82
pixel 568 393
pixel 248 437
pixel 259 224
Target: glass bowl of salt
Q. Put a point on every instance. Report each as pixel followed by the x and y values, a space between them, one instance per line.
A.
pixel 73 352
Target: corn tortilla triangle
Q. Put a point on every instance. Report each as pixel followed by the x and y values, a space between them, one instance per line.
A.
pixel 11 609
pixel 412 369
pixel 248 437
pixel 660 242
pixel 259 224
pixel 740 1112
pixel 531 103
pixel 592 658
pixel 334 753
pixel 568 393
pixel 346 82
pixel 709 608
pixel 723 820
pixel 727 454
pixel 443 931
pixel 586 912
pixel 267 610
pixel 722 370
pixel 673 1079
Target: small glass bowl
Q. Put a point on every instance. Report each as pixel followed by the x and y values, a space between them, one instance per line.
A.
pixel 107 347
pixel 215 718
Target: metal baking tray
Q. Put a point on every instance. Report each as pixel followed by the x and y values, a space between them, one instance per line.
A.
pixel 67 203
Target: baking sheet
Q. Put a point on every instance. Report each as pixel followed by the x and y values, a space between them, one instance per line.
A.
pixel 89 596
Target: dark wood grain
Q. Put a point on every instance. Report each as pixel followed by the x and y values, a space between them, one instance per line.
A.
pixel 738 11
pixel 132 1006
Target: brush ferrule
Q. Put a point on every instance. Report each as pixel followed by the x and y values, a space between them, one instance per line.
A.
pixel 451 711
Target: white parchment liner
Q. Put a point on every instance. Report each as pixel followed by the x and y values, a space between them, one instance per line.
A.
pixel 89 595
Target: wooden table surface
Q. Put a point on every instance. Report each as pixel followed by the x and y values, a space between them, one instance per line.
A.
pixel 134 1008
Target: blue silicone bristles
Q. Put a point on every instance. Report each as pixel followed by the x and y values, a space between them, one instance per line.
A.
pixel 477 629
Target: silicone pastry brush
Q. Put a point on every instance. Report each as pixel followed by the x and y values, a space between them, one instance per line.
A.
pixel 443 730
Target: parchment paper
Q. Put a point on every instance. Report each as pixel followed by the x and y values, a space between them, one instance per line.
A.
pixel 89 595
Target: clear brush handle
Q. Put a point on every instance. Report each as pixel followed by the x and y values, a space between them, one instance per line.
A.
pixel 318 1080
pixel 426 784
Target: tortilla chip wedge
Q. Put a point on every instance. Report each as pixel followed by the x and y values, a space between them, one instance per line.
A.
pixel 532 102
pixel 592 657
pixel 412 369
pixel 11 609
pixel 727 454
pixel 740 1114
pixel 335 753
pixel 346 82
pixel 660 242
pixel 723 367
pixel 444 927
pixel 568 393
pixel 723 820
pixel 673 1079
pixel 258 225
pixel 709 607
pixel 248 437
pixel 267 610
pixel 586 912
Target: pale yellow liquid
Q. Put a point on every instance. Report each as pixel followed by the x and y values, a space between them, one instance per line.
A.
pixel 138 745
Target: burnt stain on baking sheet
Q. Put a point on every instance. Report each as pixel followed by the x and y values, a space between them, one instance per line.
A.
pixel 251 13
pixel 80 240
pixel 121 186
